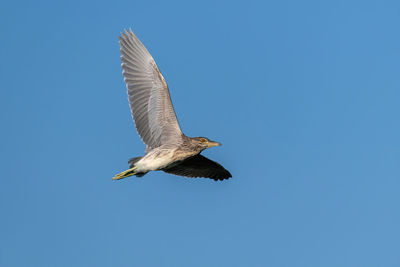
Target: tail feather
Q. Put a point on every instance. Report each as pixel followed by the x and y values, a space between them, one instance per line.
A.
pixel 132 161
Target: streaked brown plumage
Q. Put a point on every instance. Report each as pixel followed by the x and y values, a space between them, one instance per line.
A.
pixel 167 148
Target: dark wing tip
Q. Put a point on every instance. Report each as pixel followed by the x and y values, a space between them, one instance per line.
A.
pixel 222 176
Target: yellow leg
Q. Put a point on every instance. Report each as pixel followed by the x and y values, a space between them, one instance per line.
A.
pixel 125 174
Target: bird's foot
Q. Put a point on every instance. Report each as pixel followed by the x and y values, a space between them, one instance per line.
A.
pixel 125 174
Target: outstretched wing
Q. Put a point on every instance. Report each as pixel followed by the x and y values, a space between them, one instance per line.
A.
pixel 200 166
pixel 148 94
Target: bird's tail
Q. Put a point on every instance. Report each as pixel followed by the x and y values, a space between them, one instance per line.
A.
pixel 132 161
pixel 129 172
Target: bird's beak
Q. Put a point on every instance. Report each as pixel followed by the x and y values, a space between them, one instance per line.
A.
pixel 212 144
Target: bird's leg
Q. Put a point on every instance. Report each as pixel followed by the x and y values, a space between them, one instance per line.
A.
pixel 125 174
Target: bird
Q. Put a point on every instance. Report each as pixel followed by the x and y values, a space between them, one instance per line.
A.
pixel 167 148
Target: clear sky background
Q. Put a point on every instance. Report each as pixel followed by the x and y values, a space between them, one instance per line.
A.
pixel 303 95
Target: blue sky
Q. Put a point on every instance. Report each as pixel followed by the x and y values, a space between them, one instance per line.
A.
pixel 303 95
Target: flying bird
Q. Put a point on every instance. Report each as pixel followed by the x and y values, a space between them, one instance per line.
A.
pixel 167 148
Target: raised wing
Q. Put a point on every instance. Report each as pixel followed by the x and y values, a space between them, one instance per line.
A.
pixel 148 94
pixel 200 166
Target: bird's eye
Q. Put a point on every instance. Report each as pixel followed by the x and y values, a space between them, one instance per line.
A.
pixel 203 140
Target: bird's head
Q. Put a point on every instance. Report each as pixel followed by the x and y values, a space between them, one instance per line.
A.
pixel 205 142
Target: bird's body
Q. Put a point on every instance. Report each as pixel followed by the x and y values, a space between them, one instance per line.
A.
pixel 168 149
pixel 167 156
pixel 163 157
pixel 158 159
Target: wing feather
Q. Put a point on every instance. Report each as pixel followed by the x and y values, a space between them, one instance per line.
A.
pixel 200 166
pixel 148 94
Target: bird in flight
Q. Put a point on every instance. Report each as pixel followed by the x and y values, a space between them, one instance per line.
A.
pixel 167 148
